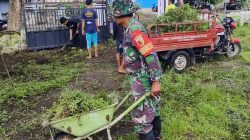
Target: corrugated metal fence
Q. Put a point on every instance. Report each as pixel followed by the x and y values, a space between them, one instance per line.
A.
pixel 43 29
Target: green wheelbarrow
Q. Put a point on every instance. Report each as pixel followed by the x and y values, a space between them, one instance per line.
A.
pixel 83 126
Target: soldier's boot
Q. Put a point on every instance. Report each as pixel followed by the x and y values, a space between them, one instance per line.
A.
pixel 157 127
pixel 148 136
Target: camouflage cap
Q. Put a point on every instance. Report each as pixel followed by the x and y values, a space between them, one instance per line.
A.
pixel 123 7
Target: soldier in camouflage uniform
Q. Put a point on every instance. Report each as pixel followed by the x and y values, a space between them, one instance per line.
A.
pixel 143 67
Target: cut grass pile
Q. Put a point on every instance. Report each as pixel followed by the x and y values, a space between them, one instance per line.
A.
pixel 183 14
pixel 76 102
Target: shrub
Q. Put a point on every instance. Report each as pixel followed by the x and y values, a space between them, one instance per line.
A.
pixel 181 14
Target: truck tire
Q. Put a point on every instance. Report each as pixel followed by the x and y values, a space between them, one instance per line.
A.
pixel 235 7
pixel 233 50
pixel 180 61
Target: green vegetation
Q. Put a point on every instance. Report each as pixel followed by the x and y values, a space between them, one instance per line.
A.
pixel 210 1
pixel 72 9
pixel 181 14
pixel 76 102
pixel 34 75
pixel 10 40
pixel 43 82
pixel 56 78
pixel 209 104
pixel 243 34
pixel 31 77
pixel 82 6
pixel 206 103
pixel 209 101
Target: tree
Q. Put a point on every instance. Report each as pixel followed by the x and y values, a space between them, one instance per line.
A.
pixel 14 15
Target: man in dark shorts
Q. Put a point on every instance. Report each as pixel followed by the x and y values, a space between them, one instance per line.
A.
pixel 75 30
pixel 119 36
pixel 90 27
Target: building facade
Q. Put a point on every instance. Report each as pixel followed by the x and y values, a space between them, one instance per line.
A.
pixel 4 6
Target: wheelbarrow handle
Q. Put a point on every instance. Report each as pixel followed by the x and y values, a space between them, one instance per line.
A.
pixel 123 100
pixel 129 109
pixel 120 116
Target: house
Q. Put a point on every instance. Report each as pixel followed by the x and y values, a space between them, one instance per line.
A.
pixel 4 6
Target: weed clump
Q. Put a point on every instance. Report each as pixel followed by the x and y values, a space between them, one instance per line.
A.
pixel 183 14
pixel 76 102
pixel 10 40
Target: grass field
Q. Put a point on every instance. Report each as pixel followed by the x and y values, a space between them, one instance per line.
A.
pixel 209 101
pixel 243 34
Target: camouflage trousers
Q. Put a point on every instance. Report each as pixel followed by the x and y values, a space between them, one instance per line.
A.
pixel 146 111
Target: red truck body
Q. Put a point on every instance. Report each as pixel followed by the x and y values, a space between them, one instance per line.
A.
pixel 187 39
pixel 181 48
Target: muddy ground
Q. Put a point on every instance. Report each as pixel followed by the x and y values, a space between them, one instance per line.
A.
pixel 22 116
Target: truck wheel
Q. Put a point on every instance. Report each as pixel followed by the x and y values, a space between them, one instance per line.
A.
pixel 180 61
pixel 235 7
pixel 233 50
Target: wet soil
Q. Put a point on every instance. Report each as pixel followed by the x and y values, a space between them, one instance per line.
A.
pixel 24 116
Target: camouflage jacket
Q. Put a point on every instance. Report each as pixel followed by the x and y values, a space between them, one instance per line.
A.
pixel 135 62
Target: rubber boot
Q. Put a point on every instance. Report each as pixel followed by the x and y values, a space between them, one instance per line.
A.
pixel 148 136
pixel 157 127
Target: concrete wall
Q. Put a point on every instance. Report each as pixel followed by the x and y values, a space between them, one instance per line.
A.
pixel 4 6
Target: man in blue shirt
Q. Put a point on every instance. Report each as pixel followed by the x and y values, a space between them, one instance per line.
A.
pixel 90 27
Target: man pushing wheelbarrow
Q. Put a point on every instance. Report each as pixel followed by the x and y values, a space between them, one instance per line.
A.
pixel 143 67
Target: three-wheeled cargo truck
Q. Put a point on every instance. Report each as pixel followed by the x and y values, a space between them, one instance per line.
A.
pixel 181 48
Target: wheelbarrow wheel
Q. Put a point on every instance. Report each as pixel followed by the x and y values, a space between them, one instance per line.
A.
pixel 63 136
